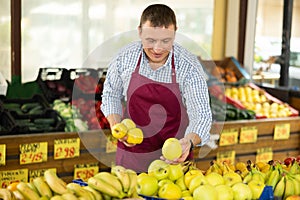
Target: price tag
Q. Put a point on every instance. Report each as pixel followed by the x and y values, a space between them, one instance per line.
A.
pixel 2 154
pixel 282 131
pixel 66 148
pixel 38 172
pixel 33 153
pixel 85 171
pixel 227 156
pixel 11 176
pixel 248 134
pixel 264 155
pixel 111 145
pixel 229 137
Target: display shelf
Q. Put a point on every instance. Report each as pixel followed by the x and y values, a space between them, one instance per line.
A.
pixel 65 167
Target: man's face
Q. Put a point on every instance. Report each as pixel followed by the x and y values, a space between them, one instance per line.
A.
pixel 157 41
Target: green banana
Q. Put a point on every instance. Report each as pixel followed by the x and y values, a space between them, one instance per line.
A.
pixel 120 172
pixel 5 194
pixel 295 168
pixel 289 188
pixel 56 184
pixel 96 194
pixel 27 191
pixel 280 187
pixel 273 178
pixel 111 179
pixel 297 185
pixel 42 187
pixel 69 196
pixel 79 191
pixel 133 181
pixel 248 178
pixel 104 187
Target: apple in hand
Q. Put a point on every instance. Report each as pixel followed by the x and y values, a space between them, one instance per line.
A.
pixel 256 187
pixel 147 185
pixel 241 191
pixel 135 136
pixel 119 130
pixel 159 169
pixel 224 192
pixel 171 149
pixel 128 123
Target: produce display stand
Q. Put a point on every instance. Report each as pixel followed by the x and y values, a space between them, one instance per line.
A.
pixel 65 167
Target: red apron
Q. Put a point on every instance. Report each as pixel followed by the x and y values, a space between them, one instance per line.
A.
pixel 157 109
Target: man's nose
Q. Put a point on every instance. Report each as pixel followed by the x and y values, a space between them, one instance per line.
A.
pixel 158 47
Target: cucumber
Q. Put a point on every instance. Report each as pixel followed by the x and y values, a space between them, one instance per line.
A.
pixel 36 110
pixel 44 121
pixel 28 106
pixel 10 106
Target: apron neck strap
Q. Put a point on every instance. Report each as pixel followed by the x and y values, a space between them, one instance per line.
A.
pixel 173 67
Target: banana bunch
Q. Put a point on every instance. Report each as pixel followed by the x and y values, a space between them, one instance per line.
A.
pixel 254 174
pixel 119 183
pixel 6 194
pixel 214 167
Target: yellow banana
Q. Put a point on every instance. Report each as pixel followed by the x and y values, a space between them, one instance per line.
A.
pixel 280 187
pixel 96 194
pixel 27 191
pixel 56 184
pixel 297 186
pixel 104 187
pixel 42 187
pixel 248 178
pixel 79 191
pixel 289 188
pixel 69 196
pixel 18 195
pixel 5 194
pixel 273 178
pixel 110 179
pixel 133 181
pixel 57 197
pixel 295 168
pixel 120 172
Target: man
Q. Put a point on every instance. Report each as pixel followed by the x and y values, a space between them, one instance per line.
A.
pixel 164 88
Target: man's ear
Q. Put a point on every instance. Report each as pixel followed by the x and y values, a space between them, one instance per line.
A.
pixel 140 31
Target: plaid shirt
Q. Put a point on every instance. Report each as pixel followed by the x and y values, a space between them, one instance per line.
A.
pixel 189 75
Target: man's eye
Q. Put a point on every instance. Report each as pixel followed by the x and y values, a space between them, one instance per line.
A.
pixel 151 41
pixel 166 41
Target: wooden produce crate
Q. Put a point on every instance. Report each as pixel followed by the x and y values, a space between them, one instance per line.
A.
pixel 17 163
pixel 280 148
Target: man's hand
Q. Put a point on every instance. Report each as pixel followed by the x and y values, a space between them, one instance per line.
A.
pixel 123 140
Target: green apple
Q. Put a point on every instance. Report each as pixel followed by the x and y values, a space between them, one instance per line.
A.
pixel 164 181
pixel 175 172
pixel 171 149
pixel 170 191
pixel 241 191
pixel 119 130
pixel 224 192
pixel 205 192
pixel 215 179
pixel 135 136
pixel 256 187
pixel 189 175
pixel 128 123
pixel 147 185
pixel 232 178
pixel 159 169
pixel 180 183
pixel 197 181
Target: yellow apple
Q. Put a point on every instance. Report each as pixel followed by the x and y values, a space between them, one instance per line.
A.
pixel 197 181
pixel 159 169
pixel 147 185
pixel 180 183
pixel 215 179
pixel 171 149
pixel 189 175
pixel 170 191
pixel 241 191
pixel 224 192
pixel 186 193
pixel 256 187
pixel 232 178
pixel 135 136
pixel 175 172
pixel 205 192
pixel 119 130
pixel 128 123
pixel 164 181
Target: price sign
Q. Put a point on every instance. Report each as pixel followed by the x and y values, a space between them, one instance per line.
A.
pixel 229 137
pixel 226 156
pixel 11 176
pixel 85 171
pixel 33 153
pixel 282 131
pixel 2 154
pixel 66 148
pixel 264 155
pixel 38 172
pixel 111 145
pixel 248 134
